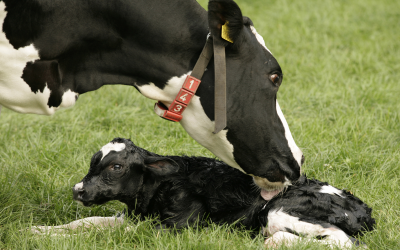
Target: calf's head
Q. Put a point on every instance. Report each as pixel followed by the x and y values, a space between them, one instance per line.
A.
pixel 119 171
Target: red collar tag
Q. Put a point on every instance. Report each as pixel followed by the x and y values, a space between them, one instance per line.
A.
pixel 182 100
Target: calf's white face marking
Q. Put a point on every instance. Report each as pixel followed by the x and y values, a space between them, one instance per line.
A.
pixel 331 190
pixel 78 186
pixel 111 147
pixel 15 93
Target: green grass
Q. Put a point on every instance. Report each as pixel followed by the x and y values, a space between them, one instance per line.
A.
pixel 340 96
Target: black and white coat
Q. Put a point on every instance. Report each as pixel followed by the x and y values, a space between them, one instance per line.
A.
pixel 185 191
pixel 53 51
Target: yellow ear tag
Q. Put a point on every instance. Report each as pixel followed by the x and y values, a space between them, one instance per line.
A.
pixel 225 32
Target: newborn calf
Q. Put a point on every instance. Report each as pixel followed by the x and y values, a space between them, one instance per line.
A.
pixel 184 191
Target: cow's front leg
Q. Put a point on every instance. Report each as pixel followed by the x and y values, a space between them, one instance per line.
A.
pixel 82 224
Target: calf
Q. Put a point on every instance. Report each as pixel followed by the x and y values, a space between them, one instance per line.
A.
pixel 184 191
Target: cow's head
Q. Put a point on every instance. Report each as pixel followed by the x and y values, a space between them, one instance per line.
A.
pixel 118 172
pixel 262 143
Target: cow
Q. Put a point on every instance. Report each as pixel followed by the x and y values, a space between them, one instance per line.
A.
pixel 183 191
pixel 54 51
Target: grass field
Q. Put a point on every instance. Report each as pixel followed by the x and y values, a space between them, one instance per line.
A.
pixel 340 96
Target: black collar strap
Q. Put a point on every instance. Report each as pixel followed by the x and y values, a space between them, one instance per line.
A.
pixel 192 82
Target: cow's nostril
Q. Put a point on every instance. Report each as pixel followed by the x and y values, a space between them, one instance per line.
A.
pixel 81 193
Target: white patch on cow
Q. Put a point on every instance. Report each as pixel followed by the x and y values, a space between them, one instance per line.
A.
pixel 289 239
pixel 78 186
pixel 166 95
pixel 296 152
pixel 15 93
pixel 200 127
pixel 328 189
pixel 194 121
pixel 68 99
pixel 280 221
pixel 281 238
pixel 260 39
pixel 112 146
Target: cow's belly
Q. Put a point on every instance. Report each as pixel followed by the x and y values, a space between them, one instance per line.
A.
pixel 194 121
pixel 15 93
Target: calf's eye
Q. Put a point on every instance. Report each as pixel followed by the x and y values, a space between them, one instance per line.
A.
pixel 276 79
pixel 116 167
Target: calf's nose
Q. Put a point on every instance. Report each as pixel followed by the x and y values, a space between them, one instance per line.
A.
pixel 78 191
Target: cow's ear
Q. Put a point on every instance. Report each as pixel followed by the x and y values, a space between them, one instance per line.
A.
pixel 225 19
pixel 160 166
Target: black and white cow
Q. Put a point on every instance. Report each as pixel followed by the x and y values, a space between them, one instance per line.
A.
pixel 185 191
pixel 53 51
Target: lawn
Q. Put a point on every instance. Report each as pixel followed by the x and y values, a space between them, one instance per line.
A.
pixel 340 96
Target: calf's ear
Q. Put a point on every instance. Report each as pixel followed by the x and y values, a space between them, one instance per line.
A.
pixel 161 166
pixel 225 19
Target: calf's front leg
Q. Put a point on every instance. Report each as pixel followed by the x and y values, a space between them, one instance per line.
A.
pixel 86 223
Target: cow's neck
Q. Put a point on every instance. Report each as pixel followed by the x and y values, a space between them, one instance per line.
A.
pixel 172 41
pixel 186 40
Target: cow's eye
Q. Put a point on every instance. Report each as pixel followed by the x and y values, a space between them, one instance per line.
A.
pixel 116 167
pixel 276 79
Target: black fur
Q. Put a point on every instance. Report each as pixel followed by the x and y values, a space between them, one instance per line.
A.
pixel 304 200
pixel 225 11
pixel 84 45
pixel 179 190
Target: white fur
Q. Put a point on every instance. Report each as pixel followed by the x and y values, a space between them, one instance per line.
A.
pixel 296 152
pixel 279 221
pixel 86 223
pixel 200 127
pixel 111 147
pixel 78 186
pixel 281 238
pixel 68 99
pixel 331 190
pixel 260 39
pixel 194 121
pixel 15 93
pixel 166 95
pixel 288 239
